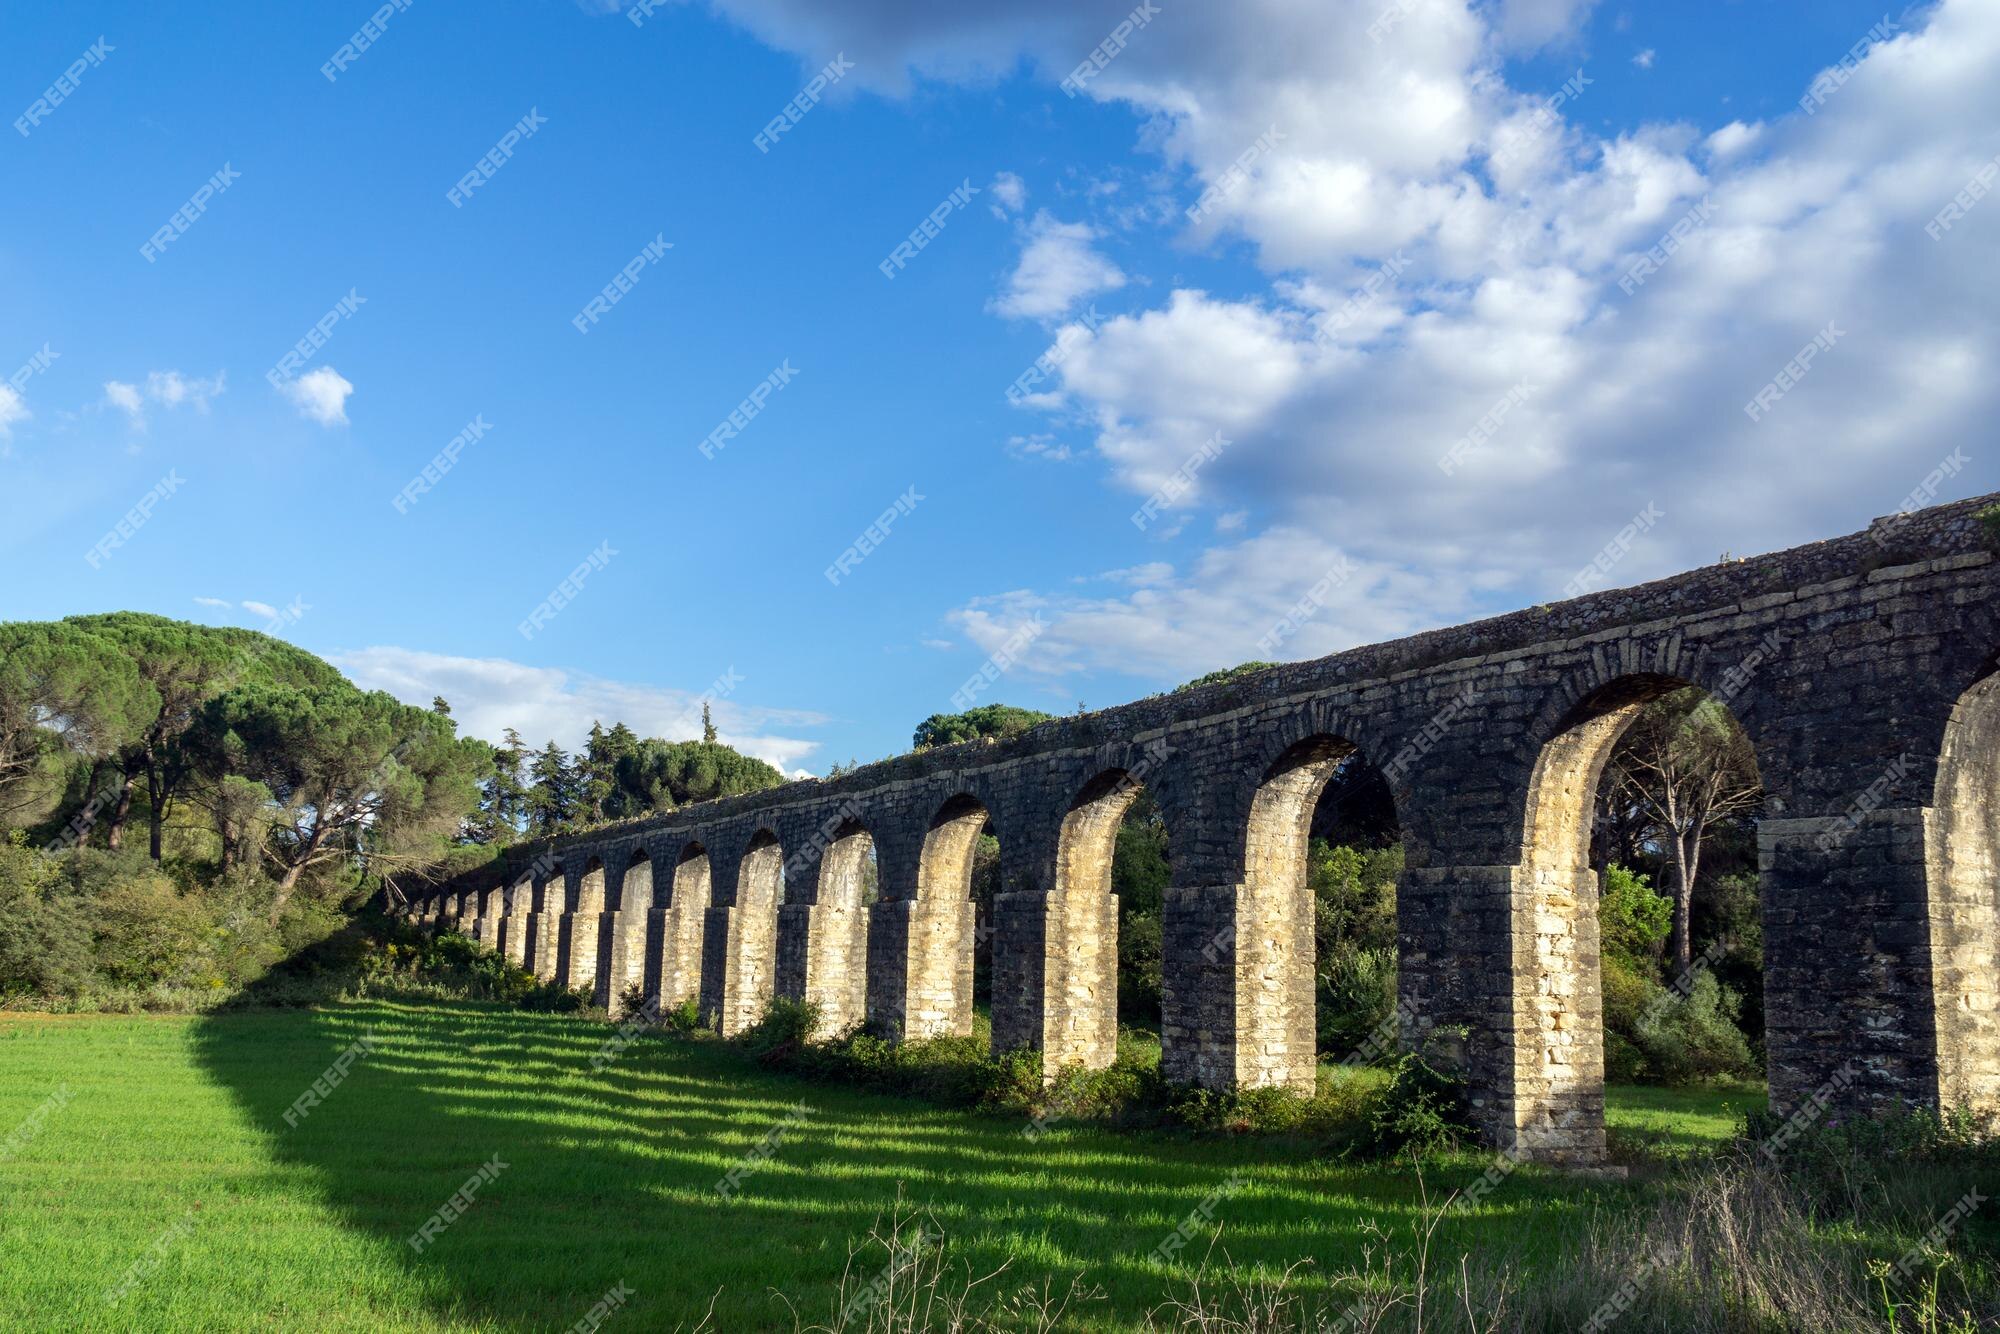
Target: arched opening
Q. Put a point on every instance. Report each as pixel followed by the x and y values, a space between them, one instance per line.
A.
pixel 837 942
pixel 1103 970
pixel 682 924
pixel 590 889
pixel 1637 939
pixel 1964 900
pixel 1316 919
pixel 635 889
pixel 943 936
pixel 552 890
pixel 748 980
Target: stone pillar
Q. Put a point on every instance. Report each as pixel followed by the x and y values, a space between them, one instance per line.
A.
pixel 920 968
pixel 543 952
pixel 794 940
pixel 1198 986
pixel 625 959
pixel 487 930
pixel 739 963
pixel 1880 969
pixel 580 939
pixel 514 933
pixel 1080 965
pixel 1021 970
pixel 1499 978
pixel 675 968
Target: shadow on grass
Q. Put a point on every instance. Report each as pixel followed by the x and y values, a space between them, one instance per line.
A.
pixel 613 1177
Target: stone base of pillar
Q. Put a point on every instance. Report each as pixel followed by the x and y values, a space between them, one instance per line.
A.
pixel 625 960
pixel 920 968
pixel 1890 1002
pixel 795 925
pixel 1080 1015
pixel 514 935
pixel 674 936
pixel 487 931
pixel 1198 986
pixel 580 934
pixel 543 945
pixel 1021 970
pixel 821 958
pixel 739 958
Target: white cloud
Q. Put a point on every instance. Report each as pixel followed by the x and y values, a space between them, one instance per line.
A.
pixel 489 695
pixel 1732 139
pixel 320 394
pixel 13 408
pixel 1644 60
pixel 168 389
pixel 1058 268
pixel 125 397
pixel 264 609
pixel 214 602
pixel 172 389
pixel 1229 608
pixel 1010 194
pixel 1505 277
pixel 1037 446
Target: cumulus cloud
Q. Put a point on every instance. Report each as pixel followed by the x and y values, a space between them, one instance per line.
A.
pixel 1490 332
pixel 320 394
pixel 1285 593
pixel 489 695
pixel 1644 60
pixel 1058 268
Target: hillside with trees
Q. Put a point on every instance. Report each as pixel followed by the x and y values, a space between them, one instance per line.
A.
pixel 184 806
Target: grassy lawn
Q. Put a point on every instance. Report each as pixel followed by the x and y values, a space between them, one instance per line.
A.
pixel 171 1154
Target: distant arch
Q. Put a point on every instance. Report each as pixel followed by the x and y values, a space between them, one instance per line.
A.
pixel 1080 999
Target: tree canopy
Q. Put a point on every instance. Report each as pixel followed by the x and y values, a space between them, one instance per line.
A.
pixel 988 720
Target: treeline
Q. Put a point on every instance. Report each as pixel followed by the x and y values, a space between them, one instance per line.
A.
pixel 182 806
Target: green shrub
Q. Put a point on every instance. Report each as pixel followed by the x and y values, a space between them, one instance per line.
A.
pixel 1422 1109
pixel 785 1025
pixel 1688 1039
pixel 1358 996
pixel 1633 921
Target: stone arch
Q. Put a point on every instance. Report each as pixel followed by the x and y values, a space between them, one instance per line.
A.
pixel 590 889
pixel 836 973
pixel 944 868
pixel 1963 870
pixel 1554 1005
pixel 1080 1005
pixel 1276 1031
pixel 920 949
pixel 635 886
pixel 552 889
pixel 750 954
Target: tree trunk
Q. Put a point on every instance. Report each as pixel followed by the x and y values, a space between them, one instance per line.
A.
pixel 1687 858
pixel 290 880
pixel 121 812
pixel 153 798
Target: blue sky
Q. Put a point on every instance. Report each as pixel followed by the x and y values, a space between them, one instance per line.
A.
pixel 1316 491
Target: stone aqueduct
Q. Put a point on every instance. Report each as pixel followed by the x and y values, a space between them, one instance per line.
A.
pixel 1863 670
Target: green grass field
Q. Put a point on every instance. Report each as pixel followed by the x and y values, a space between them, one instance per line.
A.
pixel 170 1181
